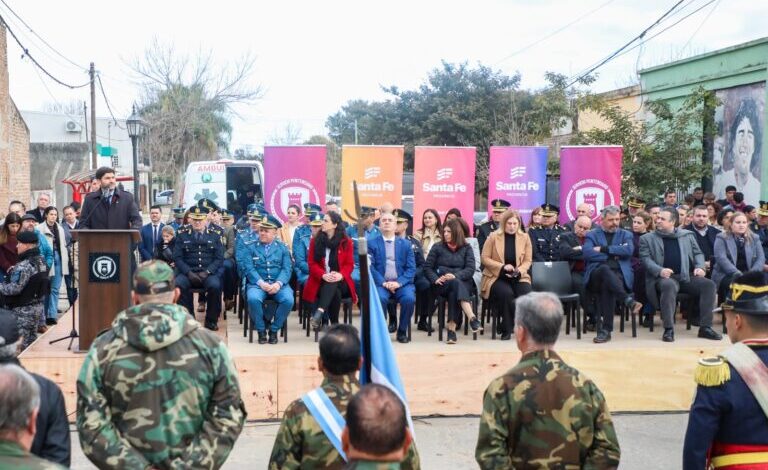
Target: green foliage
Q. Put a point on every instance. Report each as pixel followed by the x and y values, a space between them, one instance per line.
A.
pixel 665 150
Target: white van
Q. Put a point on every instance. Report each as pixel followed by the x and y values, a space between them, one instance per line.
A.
pixel 225 182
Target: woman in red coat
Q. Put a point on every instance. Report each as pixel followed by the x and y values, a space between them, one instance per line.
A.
pixel 330 259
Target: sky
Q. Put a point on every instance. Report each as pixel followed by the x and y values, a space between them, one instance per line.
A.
pixel 312 57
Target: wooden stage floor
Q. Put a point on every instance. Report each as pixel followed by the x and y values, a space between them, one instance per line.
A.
pixel 635 374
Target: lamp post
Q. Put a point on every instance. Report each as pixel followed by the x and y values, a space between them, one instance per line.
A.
pixel 135 127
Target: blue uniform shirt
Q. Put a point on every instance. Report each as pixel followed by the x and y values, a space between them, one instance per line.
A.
pixel 269 263
pixel 301 263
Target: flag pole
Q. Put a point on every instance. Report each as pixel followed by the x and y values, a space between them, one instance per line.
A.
pixel 363 296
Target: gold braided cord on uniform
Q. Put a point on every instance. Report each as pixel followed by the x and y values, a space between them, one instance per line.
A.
pixel 738 289
pixel 711 372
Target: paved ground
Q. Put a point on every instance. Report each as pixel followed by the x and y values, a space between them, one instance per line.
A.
pixel 647 441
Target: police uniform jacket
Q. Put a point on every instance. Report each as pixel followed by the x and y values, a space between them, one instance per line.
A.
pixel 546 243
pixel 484 231
pixel 191 254
pixel 300 265
pixel 420 280
pixel 269 263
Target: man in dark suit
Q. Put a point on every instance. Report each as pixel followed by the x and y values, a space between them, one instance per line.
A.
pixel 571 250
pixel 420 281
pixel 705 235
pixel 43 201
pixel 393 268
pixel 607 252
pixel 109 208
pixel 151 234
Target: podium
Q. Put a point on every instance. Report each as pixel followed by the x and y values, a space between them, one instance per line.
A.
pixel 104 270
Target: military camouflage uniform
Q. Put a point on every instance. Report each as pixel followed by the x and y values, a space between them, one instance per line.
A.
pixel 370 465
pixel 13 456
pixel 545 414
pixel 30 311
pixel 158 390
pixel 300 443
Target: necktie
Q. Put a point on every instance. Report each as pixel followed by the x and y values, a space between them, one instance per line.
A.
pixel 154 234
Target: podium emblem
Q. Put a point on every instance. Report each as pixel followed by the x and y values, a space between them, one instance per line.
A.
pixel 105 267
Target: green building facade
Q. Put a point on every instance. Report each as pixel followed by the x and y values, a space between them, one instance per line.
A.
pixel 738 76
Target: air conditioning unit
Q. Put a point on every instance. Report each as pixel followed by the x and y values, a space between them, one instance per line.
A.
pixel 73 126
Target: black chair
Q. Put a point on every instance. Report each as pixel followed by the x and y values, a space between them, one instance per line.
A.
pixel 392 303
pixel 555 277
pixel 346 311
pixel 248 327
pixel 442 304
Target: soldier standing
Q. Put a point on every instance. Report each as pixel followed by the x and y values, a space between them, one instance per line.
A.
pixel 24 292
pixel 499 207
pixel 267 265
pixel 178 218
pixel 198 254
pixel 543 413
pixel 546 238
pixel 156 390
pixel 727 425
pixel 306 439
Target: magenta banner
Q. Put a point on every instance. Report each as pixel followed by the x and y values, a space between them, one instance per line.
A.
pixel 444 177
pixel 519 176
pixel 589 175
pixel 293 175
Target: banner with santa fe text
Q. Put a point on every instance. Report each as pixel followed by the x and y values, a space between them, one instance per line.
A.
pixel 444 178
pixel 518 175
pixel 589 175
pixel 378 171
pixel 293 175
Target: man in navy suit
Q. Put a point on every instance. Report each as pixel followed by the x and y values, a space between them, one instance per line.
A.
pixel 393 268
pixel 608 274
pixel 151 234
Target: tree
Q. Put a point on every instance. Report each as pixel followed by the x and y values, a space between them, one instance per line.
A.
pixel 664 151
pixel 189 103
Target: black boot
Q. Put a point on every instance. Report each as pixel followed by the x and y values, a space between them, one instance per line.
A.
pixel 272 337
pixel 262 337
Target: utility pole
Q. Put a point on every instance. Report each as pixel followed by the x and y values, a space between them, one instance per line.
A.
pixel 355 131
pixel 94 158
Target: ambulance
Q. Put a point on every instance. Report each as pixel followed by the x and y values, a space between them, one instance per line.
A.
pixel 228 183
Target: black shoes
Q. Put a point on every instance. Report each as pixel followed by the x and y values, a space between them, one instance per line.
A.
pixel 646 321
pixel 51 321
pixel 451 339
pixel 402 337
pixel 211 326
pixel 506 336
pixel 392 327
pixel 669 335
pixel 424 326
pixel 590 326
pixel 602 337
pixel 272 337
pixel 707 332
pixel 474 325
pixel 317 320
pixel 262 337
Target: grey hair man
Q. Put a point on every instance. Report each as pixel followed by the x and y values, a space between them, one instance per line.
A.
pixel 19 403
pixel 52 436
pixel 580 436
pixel 669 255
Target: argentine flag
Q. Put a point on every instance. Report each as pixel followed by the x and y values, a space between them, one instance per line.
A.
pixel 384 370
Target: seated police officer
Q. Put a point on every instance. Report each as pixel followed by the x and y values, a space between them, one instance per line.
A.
pixel 198 255
pixel 499 206
pixel 546 238
pixel 370 231
pixel 393 268
pixel 420 281
pixel 301 249
pixel 178 217
pixel 303 230
pixel 230 267
pixel 267 267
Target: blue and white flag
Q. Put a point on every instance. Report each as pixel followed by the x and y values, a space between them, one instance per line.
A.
pixel 384 370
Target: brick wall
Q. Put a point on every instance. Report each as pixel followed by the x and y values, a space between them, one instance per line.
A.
pixel 14 141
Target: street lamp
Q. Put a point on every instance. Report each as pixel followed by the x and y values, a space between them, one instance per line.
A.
pixel 135 127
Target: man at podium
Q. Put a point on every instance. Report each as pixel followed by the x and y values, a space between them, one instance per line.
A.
pixel 109 208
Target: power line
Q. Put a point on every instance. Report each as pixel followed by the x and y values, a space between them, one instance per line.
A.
pixel 625 46
pixel 40 37
pixel 37 64
pixel 700 25
pixel 553 33
pixel 104 94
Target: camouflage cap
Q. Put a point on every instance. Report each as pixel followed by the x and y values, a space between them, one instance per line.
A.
pixel 153 277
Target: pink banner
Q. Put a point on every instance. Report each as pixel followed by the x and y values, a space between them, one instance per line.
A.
pixel 293 175
pixel 589 175
pixel 519 176
pixel 444 177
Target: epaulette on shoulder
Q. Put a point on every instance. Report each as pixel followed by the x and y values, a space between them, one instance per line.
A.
pixel 184 229
pixel 712 371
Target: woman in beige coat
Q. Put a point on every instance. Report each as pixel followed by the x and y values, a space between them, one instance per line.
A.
pixel 507 257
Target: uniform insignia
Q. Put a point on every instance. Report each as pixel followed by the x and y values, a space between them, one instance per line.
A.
pixel 712 371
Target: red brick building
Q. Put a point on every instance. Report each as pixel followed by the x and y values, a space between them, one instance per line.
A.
pixel 14 141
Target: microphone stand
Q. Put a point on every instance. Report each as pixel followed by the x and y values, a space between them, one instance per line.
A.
pixel 75 275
